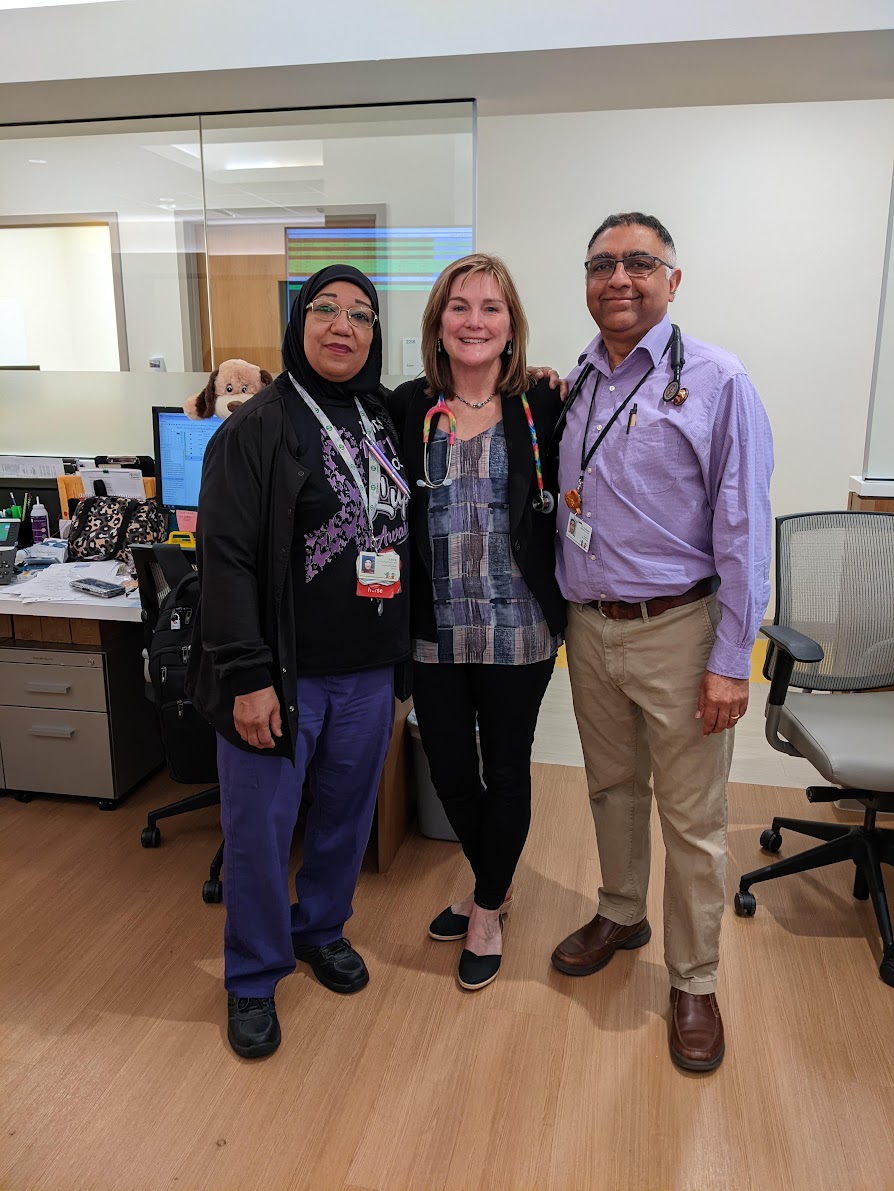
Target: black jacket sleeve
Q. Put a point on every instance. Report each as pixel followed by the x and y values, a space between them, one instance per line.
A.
pixel 227 555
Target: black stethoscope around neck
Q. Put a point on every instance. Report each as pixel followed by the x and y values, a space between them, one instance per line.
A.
pixel 674 393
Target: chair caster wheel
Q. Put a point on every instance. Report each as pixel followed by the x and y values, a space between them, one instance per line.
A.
pixel 150 837
pixel 212 892
pixel 771 841
pixel 24 796
pixel 886 971
pixel 745 904
pixel 107 804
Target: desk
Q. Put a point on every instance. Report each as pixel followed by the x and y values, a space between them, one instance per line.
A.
pixel 104 737
pixel 73 714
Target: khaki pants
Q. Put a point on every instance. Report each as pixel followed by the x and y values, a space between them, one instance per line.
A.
pixel 635 686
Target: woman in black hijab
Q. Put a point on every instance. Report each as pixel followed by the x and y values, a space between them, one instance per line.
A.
pixel 302 533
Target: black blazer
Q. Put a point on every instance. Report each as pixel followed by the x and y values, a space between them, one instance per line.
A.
pixel 532 536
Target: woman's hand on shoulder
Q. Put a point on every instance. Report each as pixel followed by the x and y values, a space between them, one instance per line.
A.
pixel 540 372
pixel 257 718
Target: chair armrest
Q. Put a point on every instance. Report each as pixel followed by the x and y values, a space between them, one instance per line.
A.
pixel 793 647
pixel 801 647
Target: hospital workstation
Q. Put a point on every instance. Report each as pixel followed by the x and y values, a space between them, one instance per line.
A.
pixel 159 216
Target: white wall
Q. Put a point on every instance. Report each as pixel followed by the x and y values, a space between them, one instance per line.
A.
pixel 149 35
pixel 779 214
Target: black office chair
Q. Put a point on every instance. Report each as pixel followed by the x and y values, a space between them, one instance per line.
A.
pixel 159 569
pixel 834 638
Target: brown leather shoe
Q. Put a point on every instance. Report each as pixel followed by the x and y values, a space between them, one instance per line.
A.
pixel 696 1031
pixel 591 947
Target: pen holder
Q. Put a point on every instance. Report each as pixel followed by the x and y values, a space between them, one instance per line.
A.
pixel 26 537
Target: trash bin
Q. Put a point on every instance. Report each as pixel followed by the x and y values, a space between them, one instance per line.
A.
pixel 432 820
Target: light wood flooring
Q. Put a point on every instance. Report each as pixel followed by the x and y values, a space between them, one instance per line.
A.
pixel 115 1074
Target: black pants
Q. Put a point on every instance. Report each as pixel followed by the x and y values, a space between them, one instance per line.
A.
pixel 492 821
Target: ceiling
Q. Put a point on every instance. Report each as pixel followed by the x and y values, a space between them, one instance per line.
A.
pixel 839 66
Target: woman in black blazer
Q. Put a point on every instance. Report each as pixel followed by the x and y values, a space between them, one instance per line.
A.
pixel 486 611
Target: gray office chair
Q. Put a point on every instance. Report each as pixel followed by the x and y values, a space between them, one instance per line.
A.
pixel 834 638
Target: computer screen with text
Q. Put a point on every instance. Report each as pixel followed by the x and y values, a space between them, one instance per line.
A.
pixel 180 444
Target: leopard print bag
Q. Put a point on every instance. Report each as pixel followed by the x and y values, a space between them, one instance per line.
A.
pixel 105 527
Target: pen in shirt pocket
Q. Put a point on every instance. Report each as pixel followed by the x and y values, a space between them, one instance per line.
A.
pixel 631 421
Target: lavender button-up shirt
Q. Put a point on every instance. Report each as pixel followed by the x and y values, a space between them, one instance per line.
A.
pixel 683 495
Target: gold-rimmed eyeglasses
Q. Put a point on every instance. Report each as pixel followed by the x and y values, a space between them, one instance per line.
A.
pixel 359 316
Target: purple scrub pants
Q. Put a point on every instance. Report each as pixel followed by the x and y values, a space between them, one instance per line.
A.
pixel 344 728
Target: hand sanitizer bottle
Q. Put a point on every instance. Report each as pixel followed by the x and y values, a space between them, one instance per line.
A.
pixel 40 523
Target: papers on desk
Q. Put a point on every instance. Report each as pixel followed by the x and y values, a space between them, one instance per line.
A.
pixel 119 481
pixel 31 467
pixel 54 582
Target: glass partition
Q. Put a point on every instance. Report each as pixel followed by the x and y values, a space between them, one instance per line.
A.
pixel 136 255
pixel 879 460
pixel 389 190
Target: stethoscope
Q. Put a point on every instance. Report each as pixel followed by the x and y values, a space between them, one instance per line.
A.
pixel 544 502
pixel 673 393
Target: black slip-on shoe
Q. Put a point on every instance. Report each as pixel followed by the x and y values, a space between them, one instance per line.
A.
pixel 337 965
pixel 252 1026
pixel 450 928
pixel 477 971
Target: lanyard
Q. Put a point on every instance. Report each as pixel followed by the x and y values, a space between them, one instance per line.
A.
pixel 586 456
pixel 368 493
pixel 543 501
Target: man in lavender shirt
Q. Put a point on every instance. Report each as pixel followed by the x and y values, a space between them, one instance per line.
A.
pixel 665 567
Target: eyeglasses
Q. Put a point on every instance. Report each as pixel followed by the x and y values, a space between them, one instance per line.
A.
pixel 640 264
pixel 360 316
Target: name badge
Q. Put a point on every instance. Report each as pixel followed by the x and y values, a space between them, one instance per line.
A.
pixel 579 532
pixel 378 568
pixel 378 575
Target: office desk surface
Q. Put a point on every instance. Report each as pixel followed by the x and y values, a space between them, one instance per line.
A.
pixel 125 608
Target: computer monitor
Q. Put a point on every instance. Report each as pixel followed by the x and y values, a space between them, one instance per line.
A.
pixel 180 444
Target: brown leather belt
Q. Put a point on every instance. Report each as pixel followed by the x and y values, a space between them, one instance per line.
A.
pixel 621 610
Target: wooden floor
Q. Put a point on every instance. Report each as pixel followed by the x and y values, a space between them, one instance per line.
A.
pixel 115 1074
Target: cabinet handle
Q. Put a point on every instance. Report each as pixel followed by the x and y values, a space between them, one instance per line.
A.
pixel 51 730
pixel 48 688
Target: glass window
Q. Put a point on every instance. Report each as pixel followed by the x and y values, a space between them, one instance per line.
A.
pixel 137 255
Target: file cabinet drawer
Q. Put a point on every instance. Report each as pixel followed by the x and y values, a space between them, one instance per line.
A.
pixel 57 752
pixel 81 688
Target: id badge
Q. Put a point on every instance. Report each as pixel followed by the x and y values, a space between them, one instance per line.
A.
pixel 378 574
pixel 579 532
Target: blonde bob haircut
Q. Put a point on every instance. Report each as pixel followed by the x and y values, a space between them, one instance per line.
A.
pixel 513 379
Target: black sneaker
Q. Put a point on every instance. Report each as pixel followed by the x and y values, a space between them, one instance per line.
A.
pixel 337 965
pixel 252 1026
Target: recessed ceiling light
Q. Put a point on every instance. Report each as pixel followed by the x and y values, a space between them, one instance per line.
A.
pixel 37 161
pixel 167 200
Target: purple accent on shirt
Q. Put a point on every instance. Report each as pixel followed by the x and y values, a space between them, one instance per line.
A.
pixel 683 495
pixel 344 528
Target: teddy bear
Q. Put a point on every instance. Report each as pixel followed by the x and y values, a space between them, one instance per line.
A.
pixel 229 386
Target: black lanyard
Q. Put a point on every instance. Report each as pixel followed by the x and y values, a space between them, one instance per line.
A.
pixel 586 457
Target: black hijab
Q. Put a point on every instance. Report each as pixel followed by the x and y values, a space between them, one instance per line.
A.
pixel 368 379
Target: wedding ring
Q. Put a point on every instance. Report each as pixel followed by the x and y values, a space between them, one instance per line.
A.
pixel 735 717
